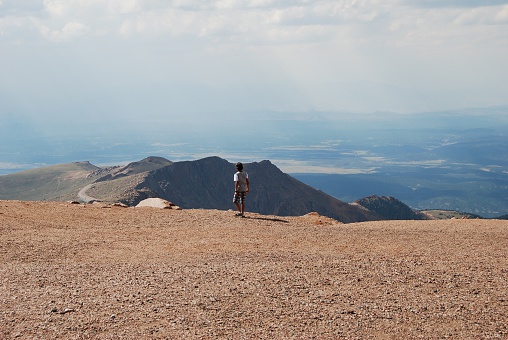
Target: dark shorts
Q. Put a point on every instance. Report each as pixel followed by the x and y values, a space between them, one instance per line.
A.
pixel 239 197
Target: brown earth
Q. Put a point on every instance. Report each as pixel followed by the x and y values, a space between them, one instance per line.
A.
pixel 84 271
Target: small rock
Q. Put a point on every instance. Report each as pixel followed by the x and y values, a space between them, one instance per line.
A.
pixel 66 310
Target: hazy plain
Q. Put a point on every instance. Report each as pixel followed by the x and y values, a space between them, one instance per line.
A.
pixel 447 160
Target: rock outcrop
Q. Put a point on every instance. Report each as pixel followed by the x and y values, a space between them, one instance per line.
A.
pixel 157 203
pixel 390 208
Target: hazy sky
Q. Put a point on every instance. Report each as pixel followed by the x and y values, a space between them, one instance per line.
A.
pixel 162 59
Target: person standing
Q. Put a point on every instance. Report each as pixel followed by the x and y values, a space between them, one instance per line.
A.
pixel 242 187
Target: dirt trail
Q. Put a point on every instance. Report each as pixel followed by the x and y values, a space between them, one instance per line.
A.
pixel 86 271
pixel 84 197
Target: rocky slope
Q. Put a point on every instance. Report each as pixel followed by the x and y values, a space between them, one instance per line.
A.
pixel 390 208
pixel 93 271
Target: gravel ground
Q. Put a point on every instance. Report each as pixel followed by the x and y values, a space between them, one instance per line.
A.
pixel 90 272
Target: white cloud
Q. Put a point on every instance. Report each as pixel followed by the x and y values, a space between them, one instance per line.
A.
pixel 454 3
pixel 300 148
pixel 376 159
pixel 68 32
pixel 354 23
pixel 294 166
pixel 57 8
pixel 425 163
pixel 356 55
pixel 14 166
pixel 483 16
pixel 124 6
pixel 19 7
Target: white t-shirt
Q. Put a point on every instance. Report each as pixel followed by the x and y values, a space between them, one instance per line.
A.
pixel 241 178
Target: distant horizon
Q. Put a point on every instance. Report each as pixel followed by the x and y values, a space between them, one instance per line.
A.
pixel 305 143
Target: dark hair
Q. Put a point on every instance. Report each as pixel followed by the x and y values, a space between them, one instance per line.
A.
pixel 239 166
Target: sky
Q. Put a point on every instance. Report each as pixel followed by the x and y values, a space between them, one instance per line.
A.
pixel 160 60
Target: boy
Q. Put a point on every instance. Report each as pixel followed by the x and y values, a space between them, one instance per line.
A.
pixel 242 187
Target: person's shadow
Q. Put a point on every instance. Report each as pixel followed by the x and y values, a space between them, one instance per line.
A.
pixel 266 219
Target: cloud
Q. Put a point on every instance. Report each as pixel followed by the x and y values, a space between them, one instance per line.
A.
pixel 483 16
pixel 14 166
pixel 300 148
pixel 455 3
pixel 68 32
pixel 285 55
pixel 293 166
pixel 20 7
pixel 252 23
pixel 433 163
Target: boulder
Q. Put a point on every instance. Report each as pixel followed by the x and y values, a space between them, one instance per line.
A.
pixel 155 203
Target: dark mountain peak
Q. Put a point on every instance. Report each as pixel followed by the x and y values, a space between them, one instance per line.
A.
pixel 265 162
pixel 155 160
pixel 212 160
pixel 209 166
pixel 84 165
pixel 147 164
pixel 375 198
pixel 389 208
pixel 264 166
pixel 216 161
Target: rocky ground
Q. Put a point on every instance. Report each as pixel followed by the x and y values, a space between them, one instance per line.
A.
pixel 86 271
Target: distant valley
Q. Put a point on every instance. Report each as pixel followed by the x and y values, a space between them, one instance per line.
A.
pixel 477 192
pixel 454 160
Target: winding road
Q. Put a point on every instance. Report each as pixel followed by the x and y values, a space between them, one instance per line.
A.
pixel 84 197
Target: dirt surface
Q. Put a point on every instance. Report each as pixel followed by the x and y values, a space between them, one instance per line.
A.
pixel 85 271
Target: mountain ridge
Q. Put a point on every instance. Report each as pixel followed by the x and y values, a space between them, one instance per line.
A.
pixel 205 183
